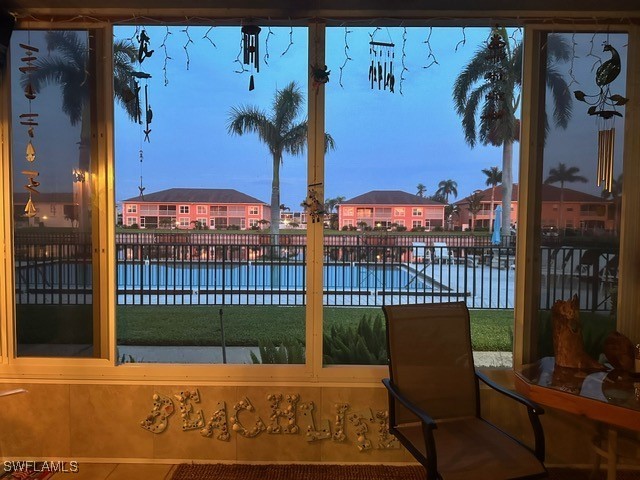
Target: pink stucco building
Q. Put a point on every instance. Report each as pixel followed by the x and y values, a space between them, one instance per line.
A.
pixel 384 208
pixel 187 208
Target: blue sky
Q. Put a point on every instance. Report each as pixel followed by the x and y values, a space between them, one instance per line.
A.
pixel 384 140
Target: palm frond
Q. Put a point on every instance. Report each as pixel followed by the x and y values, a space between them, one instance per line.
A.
pixel 69 46
pixel 558 50
pixel 470 112
pixel 562 98
pixel 472 73
pixel 286 107
pixel 295 140
pixel 250 119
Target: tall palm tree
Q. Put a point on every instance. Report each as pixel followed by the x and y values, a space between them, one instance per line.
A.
pixel 494 178
pixel 279 131
pixel 474 205
pixel 470 98
pixel 563 175
pixel 421 190
pixel 67 65
pixel 616 195
pixel 446 188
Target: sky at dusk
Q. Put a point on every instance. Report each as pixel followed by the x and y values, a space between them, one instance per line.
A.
pixel 383 140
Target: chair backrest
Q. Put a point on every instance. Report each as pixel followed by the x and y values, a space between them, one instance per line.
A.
pixel 430 359
pixel 440 250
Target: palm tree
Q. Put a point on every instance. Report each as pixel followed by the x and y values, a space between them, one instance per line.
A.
pixel 474 205
pixel 421 190
pixel 446 188
pixel 494 177
pixel 563 175
pixel 451 211
pixel 68 66
pixel 616 195
pixel 470 98
pixel 280 132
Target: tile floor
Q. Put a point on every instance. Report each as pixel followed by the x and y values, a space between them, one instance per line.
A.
pixel 118 471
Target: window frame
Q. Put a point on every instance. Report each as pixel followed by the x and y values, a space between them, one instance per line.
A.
pixel 104 368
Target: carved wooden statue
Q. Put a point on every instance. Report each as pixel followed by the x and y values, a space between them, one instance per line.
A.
pixel 568 345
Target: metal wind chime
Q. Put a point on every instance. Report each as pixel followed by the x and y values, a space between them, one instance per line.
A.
pixel 496 54
pixel 381 67
pixel 251 49
pixel 30 120
pixel 143 53
pixel 603 106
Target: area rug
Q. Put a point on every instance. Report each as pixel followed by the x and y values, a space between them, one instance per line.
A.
pixel 341 472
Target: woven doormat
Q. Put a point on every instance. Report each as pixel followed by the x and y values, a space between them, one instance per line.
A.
pixel 297 472
pixel 342 472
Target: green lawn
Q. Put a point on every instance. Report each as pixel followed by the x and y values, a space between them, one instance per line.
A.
pixel 245 325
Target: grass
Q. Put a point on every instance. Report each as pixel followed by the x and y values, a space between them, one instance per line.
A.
pixel 244 325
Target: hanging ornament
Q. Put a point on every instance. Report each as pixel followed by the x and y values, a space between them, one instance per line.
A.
pixel 381 68
pixel 603 105
pixel 319 75
pixel 29 120
pixel 495 56
pixel 312 205
pixel 251 50
pixel 141 188
pixel 31 152
pixel 148 113
pixel 143 49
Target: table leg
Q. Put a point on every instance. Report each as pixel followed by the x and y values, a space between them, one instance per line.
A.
pixel 612 453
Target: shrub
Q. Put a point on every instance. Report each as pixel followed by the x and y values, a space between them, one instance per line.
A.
pixel 364 345
pixel 288 352
pixel 437 228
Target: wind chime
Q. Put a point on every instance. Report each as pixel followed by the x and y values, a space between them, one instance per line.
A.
pixel 603 106
pixel 251 50
pixel 312 205
pixel 30 120
pixel 143 53
pixel 381 68
pixel 495 56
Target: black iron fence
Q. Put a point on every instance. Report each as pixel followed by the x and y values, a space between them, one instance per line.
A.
pixel 369 270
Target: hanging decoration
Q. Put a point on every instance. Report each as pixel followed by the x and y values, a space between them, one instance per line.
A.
pixel 251 50
pixel 381 68
pixel 603 105
pixel 30 120
pixel 320 75
pixel 313 207
pixel 143 48
pixel 496 54
pixel 347 58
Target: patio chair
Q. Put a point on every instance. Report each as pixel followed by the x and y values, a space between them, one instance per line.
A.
pixel 441 253
pixel 434 400
pixel 420 252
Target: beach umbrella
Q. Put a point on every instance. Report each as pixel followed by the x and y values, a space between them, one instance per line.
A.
pixel 495 236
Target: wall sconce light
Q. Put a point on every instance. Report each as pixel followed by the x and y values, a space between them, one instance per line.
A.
pixel 78 176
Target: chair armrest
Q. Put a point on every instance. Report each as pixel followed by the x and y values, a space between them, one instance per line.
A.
pixel 418 412
pixel 535 408
pixel 430 462
pixel 533 411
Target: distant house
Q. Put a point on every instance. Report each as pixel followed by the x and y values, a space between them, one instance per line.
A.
pixel 384 208
pixel 54 209
pixel 581 210
pixel 185 208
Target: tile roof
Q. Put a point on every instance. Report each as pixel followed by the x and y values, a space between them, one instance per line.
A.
pixel 389 197
pixel 197 195
pixel 550 193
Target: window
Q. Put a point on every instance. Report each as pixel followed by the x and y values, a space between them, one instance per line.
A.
pixel 416 212
pixel 52 210
pixel 416 223
pixel 55 278
pixel 398 212
pixel 253 222
pixel 132 220
pixel 132 208
pixel 212 223
pixel 364 213
pixel 184 221
pixel 184 208
pixel 201 209
pixel 218 211
pixel 254 211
